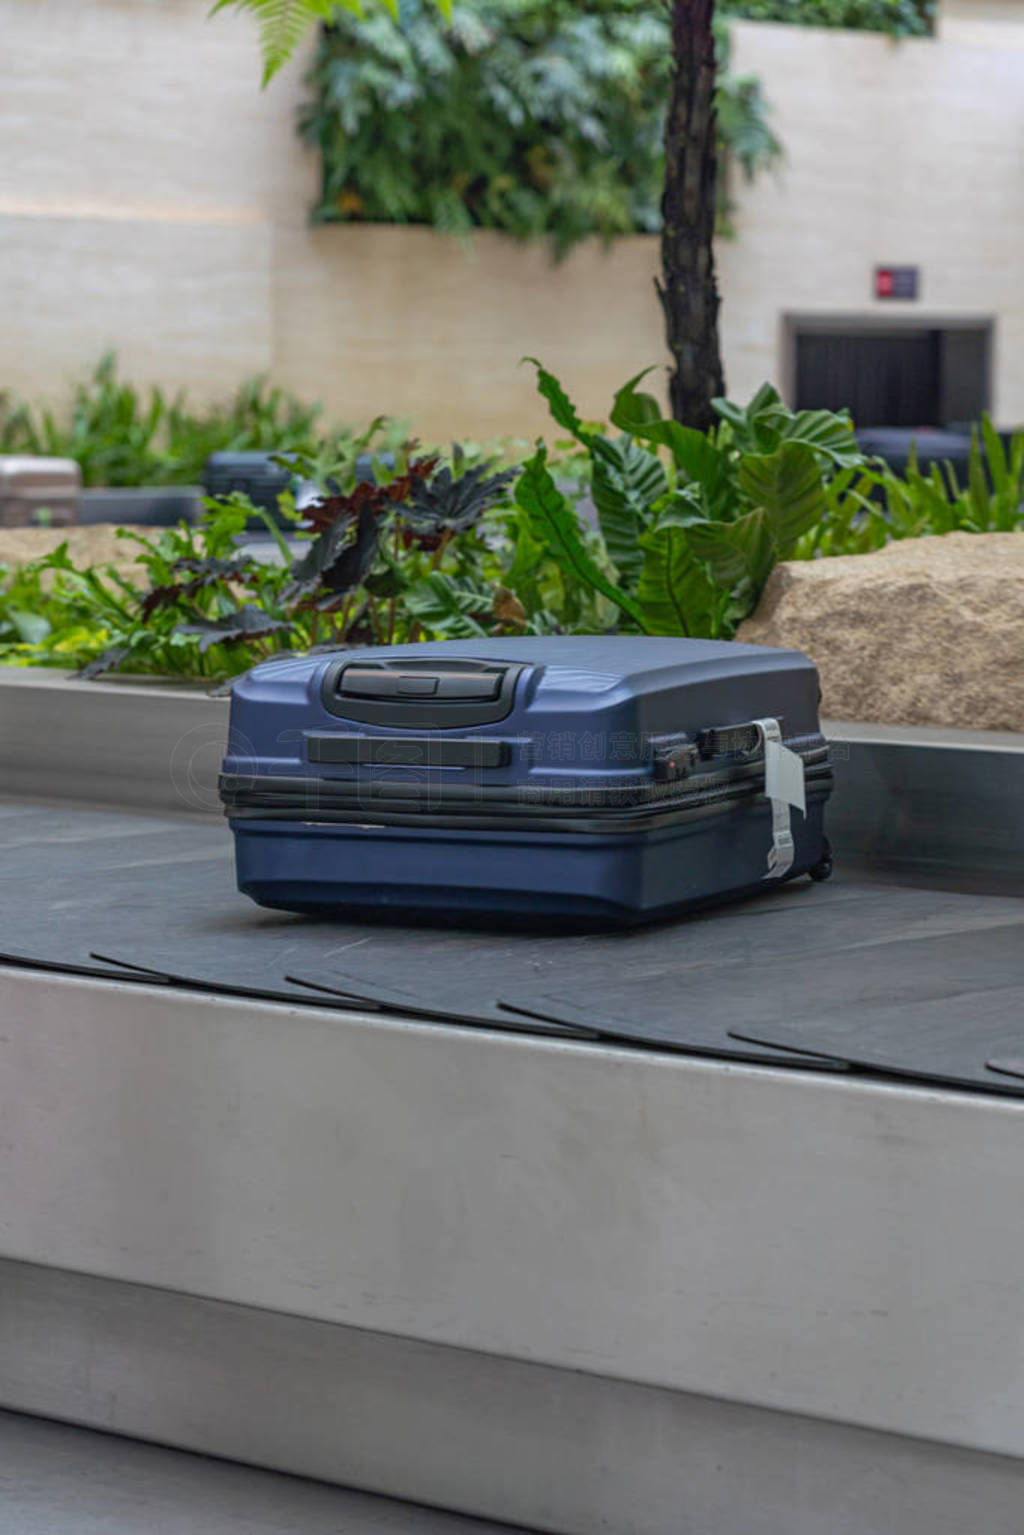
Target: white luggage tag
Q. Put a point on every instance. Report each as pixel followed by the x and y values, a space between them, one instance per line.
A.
pixel 783 787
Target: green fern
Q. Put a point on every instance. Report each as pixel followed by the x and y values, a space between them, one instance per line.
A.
pixel 284 23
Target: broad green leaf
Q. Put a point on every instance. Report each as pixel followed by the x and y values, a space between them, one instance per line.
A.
pixel 685 508
pixel 766 423
pixel 634 411
pixel 626 483
pixel 450 608
pixel 553 520
pixel 563 411
pixel 826 432
pixel 787 486
pixel 736 416
pixel 32 628
pixel 766 400
pixel 755 427
pixel 694 453
pixel 521 575
pixel 675 592
pixel 389 581
pixel 741 554
pixel 701 462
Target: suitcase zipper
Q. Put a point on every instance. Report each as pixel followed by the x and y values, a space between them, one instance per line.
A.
pixel 315 799
pixel 655 791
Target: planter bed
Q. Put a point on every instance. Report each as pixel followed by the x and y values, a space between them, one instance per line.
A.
pixel 142 506
pixel 134 743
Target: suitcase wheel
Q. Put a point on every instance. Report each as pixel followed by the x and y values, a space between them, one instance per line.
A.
pixel 823 869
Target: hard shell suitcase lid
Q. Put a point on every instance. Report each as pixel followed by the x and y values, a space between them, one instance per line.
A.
pixel 560 707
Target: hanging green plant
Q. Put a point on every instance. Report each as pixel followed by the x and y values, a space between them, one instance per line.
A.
pixel 899 18
pixel 535 117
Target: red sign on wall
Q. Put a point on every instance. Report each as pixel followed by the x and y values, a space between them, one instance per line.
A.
pixel 896 282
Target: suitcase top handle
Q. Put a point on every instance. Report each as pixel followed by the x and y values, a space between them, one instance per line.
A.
pixel 420 694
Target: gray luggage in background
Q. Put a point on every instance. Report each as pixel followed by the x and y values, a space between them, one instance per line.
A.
pixel 42 491
pixel 256 474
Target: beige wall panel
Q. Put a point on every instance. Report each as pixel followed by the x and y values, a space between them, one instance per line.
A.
pixel 984 23
pixel 909 152
pixel 142 124
pixel 143 106
pixel 185 304
pixel 381 319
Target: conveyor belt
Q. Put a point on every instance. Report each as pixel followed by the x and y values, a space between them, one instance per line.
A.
pixel 818 969
pixel 61 1480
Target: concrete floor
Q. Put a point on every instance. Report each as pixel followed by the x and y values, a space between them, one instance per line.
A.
pixel 58 1480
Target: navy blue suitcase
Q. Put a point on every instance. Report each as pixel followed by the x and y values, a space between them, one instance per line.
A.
pixel 621 778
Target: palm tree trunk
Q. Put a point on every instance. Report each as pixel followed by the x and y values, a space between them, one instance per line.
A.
pixel 688 289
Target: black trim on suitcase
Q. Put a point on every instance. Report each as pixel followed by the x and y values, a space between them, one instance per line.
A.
pixel 434 806
pixel 409 751
pixel 433 791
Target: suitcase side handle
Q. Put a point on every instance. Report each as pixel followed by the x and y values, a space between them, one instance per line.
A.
pixel 731 740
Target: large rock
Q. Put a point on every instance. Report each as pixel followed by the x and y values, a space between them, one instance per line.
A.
pixel 93 544
pixel 927 631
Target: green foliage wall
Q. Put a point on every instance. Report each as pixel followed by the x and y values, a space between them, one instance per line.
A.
pixel 900 18
pixel 536 117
